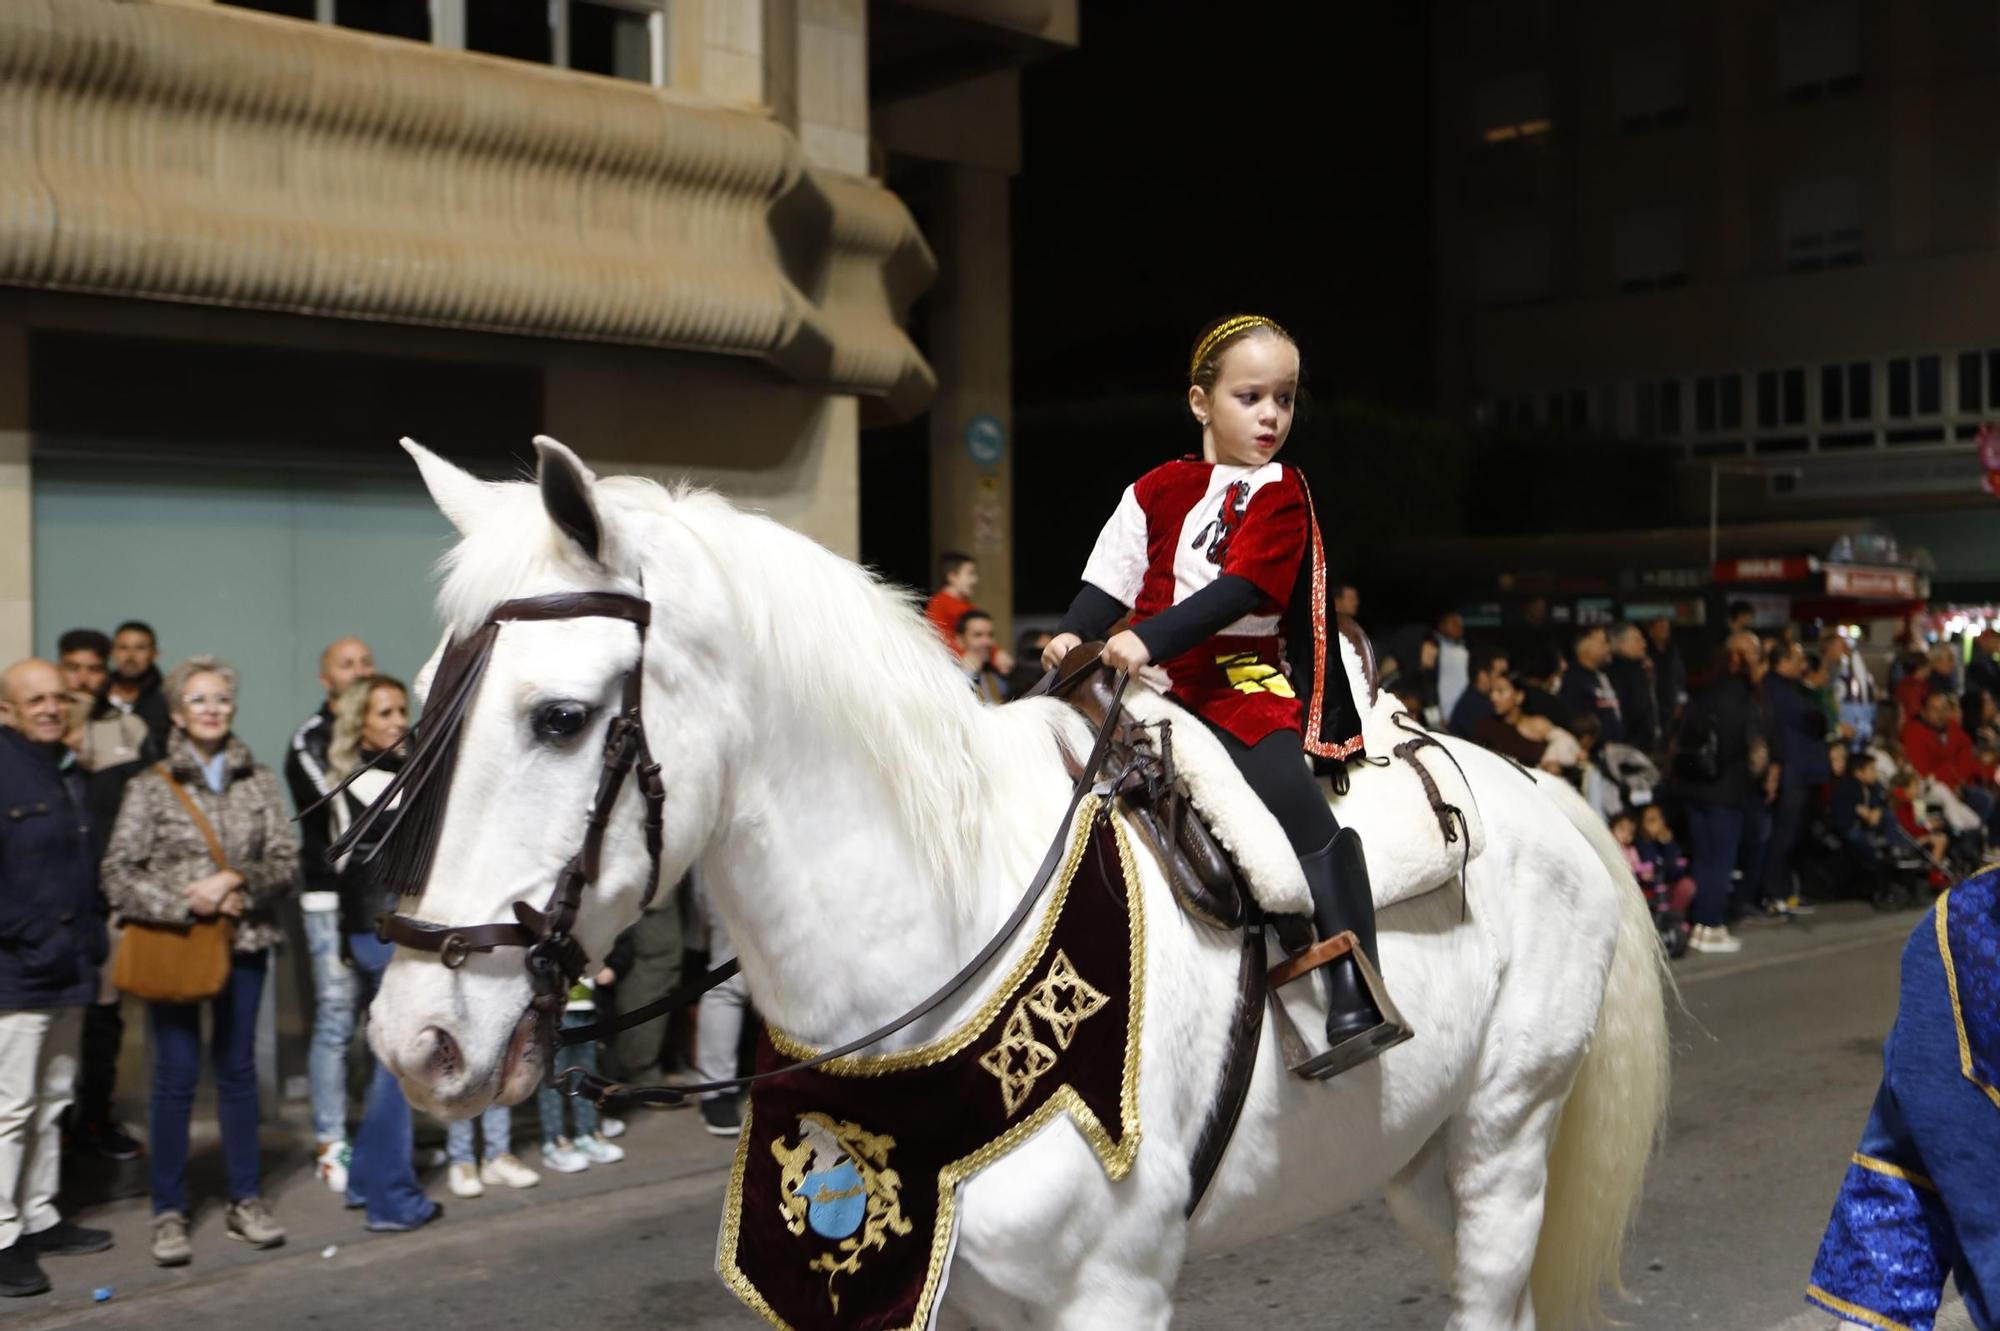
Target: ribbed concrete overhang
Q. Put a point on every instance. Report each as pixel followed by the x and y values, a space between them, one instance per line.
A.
pixel 214 155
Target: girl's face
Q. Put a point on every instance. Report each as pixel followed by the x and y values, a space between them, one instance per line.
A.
pixel 1248 416
pixel 1836 757
pixel 1622 829
pixel 387 719
pixel 1654 823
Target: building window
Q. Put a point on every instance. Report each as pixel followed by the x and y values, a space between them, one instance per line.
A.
pixel 1570 409
pixel 1657 409
pixel 1915 387
pixel 1646 247
pixel 1970 396
pixel 1781 398
pixel 1513 266
pixel 395 18
pixel 1649 88
pixel 1718 403
pixel 306 9
pixel 1844 392
pixel 1512 109
pixel 1819 51
pixel 1822 220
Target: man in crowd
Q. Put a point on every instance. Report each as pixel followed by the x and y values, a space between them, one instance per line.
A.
pixel 1454 666
pixel 1740 618
pixel 105 737
pixel 344 661
pixel 1670 676
pixel 1630 670
pixel 113 746
pixel 1800 724
pixel 51 943
pixel 1982 671
pixel 1938 747
pixel 134 687
pixel 1511 730
pixel 1850 688
pixel 1347 601
pixel 958 583
pixel 974 642
pixel 1474 705
pixel 1585 690
pixel 1937 674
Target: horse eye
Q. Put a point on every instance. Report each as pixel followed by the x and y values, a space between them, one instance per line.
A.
pixel 561 720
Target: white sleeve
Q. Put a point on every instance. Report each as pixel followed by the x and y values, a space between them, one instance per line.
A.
pixel 1117 563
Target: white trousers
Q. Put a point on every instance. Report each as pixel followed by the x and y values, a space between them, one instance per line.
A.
pixel 39 1052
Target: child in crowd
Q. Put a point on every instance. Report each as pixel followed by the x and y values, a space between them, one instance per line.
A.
pixel 562 1151
pixel 1672 879
pixel 1916 819
pixel 1625 829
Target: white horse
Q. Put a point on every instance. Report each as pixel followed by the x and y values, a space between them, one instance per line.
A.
pixel 862 825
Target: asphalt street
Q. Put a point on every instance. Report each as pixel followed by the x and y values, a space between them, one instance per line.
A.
pixel 1777 1054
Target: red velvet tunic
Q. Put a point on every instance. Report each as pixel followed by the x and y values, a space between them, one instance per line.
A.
pixel 1186 523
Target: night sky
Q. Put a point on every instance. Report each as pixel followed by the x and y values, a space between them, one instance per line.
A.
pixel 1189 161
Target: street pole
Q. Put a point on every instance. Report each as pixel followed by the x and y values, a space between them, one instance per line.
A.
pixel 1714 514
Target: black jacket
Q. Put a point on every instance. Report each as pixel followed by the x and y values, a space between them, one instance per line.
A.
pixel 1729 707
pixel 1637 705
pixel 52 936
pixel 305 778
pixel 1801 730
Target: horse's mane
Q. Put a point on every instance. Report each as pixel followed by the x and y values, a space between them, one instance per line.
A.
pixel 822 636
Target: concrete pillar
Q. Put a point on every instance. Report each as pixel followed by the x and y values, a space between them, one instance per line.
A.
pixel 17 528
pixel 972 420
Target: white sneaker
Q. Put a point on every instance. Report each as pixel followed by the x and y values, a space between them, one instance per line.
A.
pixel 1714 938
pixel 562 1156
pixel 600 1151
pixel 507 1171
pixel 464 1180
pixel 330 1163
pixel 608 1128
pixel 429 1157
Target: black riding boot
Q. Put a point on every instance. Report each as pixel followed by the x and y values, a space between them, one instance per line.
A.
pixel 1361 1021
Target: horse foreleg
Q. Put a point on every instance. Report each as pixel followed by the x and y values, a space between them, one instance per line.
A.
pixel 1497 1163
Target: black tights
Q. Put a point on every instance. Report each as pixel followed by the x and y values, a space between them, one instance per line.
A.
pixel 1275 767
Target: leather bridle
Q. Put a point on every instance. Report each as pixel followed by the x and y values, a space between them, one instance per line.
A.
pixel 555 960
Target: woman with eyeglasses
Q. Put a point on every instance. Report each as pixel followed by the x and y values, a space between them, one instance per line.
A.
pixel 160 869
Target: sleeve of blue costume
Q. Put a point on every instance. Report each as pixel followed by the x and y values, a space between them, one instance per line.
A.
pixel 1889 1245
pixel 1919 1203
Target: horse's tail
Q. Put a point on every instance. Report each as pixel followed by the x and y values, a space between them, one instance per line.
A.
pixel 1615 1113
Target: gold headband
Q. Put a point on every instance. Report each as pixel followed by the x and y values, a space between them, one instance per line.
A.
pixel 1229 328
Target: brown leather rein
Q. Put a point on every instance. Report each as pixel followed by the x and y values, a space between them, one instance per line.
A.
pixel 555 960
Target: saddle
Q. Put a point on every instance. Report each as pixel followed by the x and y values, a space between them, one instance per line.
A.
pixel 1139 770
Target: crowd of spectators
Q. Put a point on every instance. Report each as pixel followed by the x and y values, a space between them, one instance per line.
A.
pixel 1778 769
pixel 128 802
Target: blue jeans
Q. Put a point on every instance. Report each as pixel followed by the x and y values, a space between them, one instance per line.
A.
pixel 550 1100
pixel 1717 832
pixel 497 1120
pixel 175 1029
pixel 382 1175
pixel 334 1004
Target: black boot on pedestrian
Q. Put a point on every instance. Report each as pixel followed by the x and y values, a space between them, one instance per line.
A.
pixel 1361 1021
pixel 20 1274
pixel 66 1238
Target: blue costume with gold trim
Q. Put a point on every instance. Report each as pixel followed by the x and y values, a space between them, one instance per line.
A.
pixel 1921 1200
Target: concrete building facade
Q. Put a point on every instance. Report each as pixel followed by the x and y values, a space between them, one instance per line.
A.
pixel 1764 232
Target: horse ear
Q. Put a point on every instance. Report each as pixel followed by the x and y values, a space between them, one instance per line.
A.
pixel 459 495
pixel 566 485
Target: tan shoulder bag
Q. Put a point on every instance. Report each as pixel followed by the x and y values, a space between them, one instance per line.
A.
pixel 178 963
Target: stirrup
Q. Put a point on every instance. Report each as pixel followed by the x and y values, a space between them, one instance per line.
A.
pixel 1357 1049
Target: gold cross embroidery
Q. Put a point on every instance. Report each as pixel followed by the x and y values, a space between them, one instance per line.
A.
pixel 1019 1060
pixel 1064 1018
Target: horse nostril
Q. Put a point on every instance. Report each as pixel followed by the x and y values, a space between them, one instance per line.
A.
pixel 438 1053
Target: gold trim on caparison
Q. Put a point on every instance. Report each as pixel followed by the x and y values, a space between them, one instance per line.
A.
pixel 923 1055
pixel 1116 1157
